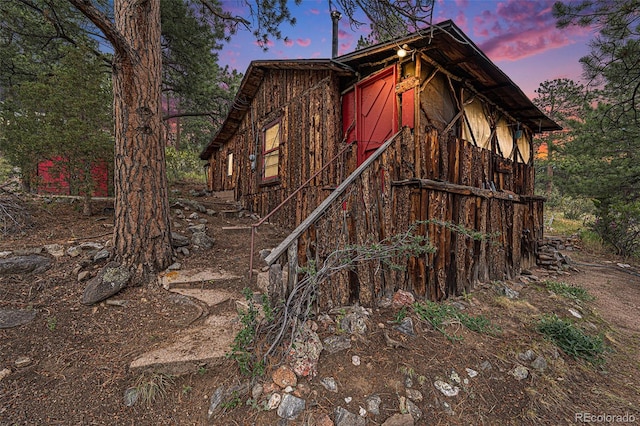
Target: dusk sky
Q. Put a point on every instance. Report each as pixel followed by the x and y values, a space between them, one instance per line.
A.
pixel 519 36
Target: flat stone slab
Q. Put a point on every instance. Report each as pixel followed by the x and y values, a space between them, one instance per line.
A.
pixel 206 344
pixel 211 297
pixel 169 279
pixel 10 318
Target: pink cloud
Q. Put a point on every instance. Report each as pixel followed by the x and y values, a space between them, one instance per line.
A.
pixel 511 47
pixel 288 43
pixel 303 42
pixel 519 29
pixel 314 11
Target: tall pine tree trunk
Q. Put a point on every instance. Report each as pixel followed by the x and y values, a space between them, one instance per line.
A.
pixel 142 237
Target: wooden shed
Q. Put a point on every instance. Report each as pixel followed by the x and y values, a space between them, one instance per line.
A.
pixel 368 144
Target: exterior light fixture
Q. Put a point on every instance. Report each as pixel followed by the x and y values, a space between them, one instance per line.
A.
pixel 402 52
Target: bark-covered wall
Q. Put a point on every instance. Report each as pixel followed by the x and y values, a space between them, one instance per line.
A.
pixel 388 198
pixel 308 104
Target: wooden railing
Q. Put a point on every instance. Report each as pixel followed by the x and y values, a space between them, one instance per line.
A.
pixel 255 226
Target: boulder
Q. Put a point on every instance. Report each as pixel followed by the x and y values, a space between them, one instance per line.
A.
pixel 109 281
pixel 25 264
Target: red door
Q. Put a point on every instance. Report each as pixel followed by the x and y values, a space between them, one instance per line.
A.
pixel 376 111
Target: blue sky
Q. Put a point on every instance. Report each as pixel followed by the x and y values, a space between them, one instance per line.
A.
pixel 519 36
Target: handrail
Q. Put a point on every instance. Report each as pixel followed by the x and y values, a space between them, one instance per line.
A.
pixel 327 201
pixel 254 226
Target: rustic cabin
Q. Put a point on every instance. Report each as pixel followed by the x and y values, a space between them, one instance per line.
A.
pixel 412 134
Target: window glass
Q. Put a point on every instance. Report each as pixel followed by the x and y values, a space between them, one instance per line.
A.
pixel 230 164
pixel 271 153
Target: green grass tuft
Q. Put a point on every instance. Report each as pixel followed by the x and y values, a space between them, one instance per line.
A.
pixel 572 340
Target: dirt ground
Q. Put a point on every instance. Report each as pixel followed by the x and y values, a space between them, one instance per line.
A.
pixel 79 355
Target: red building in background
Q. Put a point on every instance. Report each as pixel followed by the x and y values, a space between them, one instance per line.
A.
pixel 54 178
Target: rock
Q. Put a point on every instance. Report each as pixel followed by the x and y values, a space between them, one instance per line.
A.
pixel 347 418
pixel 333 344
pixel 215 401
pixel 414 395
pixel 354 322
pixel 329 384
pixel 305 352
pixel 256 391
pixel 109 281
pixel 74 251
pixel 540 363
pixel 446 388
pixel 284 376
pixel 197 228
pixel 472 373
pixel 55 250
pixel 178 240
pixel 402 298
pixel 291 407
pixel 413 409
pixel 25 264
pixel 202 240
pixel 101 255
pixel 288 389
pixel 194 216
pixel 526 356
pixel 575 313
pixel 373 404
pixel 4 373
pixel 406 327
pixel 264 253
pixel 10 318
pixel 5 254
pixel 399 420
pixel 91 246
pixel 183 250
pixel 210 212
pixel 355 360
pixel 22 361
pixel 274 401
pixel 348 399
pixel 262 281
pixel 520 372
pixel 84 275
pixel 454 376
pixel 510 293
pixel 131 396
pixel 175 266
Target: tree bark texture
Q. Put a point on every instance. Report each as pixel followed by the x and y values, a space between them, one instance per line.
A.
pixel 142 237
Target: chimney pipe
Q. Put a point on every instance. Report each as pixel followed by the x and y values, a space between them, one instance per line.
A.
pixel 335 17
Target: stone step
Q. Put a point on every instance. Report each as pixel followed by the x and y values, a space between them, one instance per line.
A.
pixel 171 279
pixel 211 297
pixel 194 347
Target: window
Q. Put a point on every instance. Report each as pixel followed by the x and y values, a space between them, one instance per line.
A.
pixel 230 164
pixel 271 152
